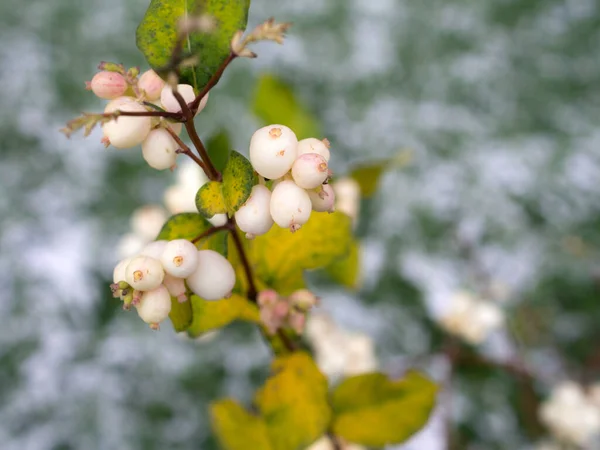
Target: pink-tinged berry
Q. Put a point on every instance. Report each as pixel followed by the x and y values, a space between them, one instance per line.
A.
pixel 151 84
pixel 108 85
pixel 273 150
pixel 313 145
pixel 213 278
pixel 290 205
pixel 176 287
pixel 154 306
pixel 267 298
pixel 144 273
pixel 297 321
pixel 324 200
pixel 310 171
pixel 303 299
pixel 158 149
pixel 180 258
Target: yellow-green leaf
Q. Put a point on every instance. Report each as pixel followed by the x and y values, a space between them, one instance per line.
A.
pixel 346 270
pixel 375 411
pixel 209 315
pixel 238 179
pixel 237 429
pixel 156 35
pixel 275 102
pixel 181 315
pixel 369 174
pixel 294 402
pixel 209 199
pixel 280 257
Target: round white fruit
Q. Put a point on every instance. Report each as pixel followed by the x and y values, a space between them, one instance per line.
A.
pixel 154 249
pixel 324 200
pixel 290 205
pixel 108 85
pixel 214 277
pixel 314 145
pixel 273 150
pixel 128 131
pixel 254 217
pixel 158 149
pixel 170 103
pixel 155 305
pixel 310 170
pixel 151 84
pixel 120 270
pixel 179 258
pixel 116 103
pixel 144 273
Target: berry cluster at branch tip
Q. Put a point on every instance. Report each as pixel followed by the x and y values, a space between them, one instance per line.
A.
pixel 165 269
pixel 131 93
pixel 300 174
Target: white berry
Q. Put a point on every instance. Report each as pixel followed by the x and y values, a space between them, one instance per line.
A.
pixel 158 149
pixel 128 131
pixel 116 103
pixel 323 200
pixel 151 84
pixel 179 258
pixel 120 270
pixel 170 103
pixel 176 287
pixel 154 306
pixel 314 145
pixel 310 170
pixel 147 221
pixel 254 217
pixel 273 150
pixel 290 205
pixel 154 249
pixel 214 277
pixel 108 85
pixel 144 273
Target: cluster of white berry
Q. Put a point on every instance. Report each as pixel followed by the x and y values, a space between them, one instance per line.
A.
pixel 158 146
pixel 165 269
pixel 470 318
pixel 277 311
pixel 300 173
pixel 572 414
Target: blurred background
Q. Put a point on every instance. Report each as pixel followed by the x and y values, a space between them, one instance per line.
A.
pixel 498 105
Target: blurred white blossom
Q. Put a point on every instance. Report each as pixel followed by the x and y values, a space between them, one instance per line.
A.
pixel 471 318
pixel 339 352
pixel 570 414
pixel 347 197
pixel 146 222
pixel 325 444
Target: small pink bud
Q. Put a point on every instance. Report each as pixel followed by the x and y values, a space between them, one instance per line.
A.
pixel 303 299
pixel 267 298
pixel 108 85
pixel 281 309
pixel 297 321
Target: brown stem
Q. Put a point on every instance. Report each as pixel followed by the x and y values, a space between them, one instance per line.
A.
pixel 183 148
pixel 214 79
pixel 335 442
pixel 212 173
pixel 252 292
pixel 170 115
pixel 289 344
pixel 210 232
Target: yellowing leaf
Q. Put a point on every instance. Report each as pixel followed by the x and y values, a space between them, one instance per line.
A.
pixel 238 179
pixel 181 315
pixel 209 315
pixel 279 257
pixel 294 402
pixel 209 199
pixel 374 411
pixel 346 270
pixel 368 175
pixel 275 102
pixel 237 429
pixel 157 34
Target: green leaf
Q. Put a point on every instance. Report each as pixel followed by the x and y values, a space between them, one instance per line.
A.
pixel 375 411
pixel 368 175
pixel 209 199
pixel 181 315
pixel 280 257
pixel 294 402
pixel 156 35
pixel 346 269
pixel 238 179
pixel 218 148
pixel 236 428
pixel 275 102
pixel 209 315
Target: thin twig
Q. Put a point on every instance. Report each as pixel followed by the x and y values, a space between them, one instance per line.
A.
pixel 252 292
pixel 210 232
pixel 169 115
pixel 214 79
pixel 183 148
pixel 335 442
pixel 287 342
